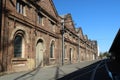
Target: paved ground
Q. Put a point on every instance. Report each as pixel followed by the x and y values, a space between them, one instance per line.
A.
pixel 105 69
pixel 46 73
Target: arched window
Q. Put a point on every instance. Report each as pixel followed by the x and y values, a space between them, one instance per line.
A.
pixel 65 49
pixel 18 46
pixel 52 50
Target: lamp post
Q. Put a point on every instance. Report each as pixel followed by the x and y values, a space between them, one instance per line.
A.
pixel 62 31
pixel 63 39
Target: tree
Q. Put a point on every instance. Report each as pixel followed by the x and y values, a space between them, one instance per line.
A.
pixel 104 55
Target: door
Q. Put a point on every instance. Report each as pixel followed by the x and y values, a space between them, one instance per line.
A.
pixel 70 55
pixel 39 53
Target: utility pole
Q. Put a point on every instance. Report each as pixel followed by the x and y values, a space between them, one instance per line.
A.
pixel 62 41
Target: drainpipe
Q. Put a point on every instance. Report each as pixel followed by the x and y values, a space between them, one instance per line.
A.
pixel 0 34
pixel 4 56
pixel 5 41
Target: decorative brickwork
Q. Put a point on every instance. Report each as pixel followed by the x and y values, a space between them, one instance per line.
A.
pixel 40 30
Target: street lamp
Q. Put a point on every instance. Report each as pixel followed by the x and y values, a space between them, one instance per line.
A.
pixel 62 31
pixel 63 39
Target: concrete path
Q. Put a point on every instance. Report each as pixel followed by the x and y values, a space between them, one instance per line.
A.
pixel 46 73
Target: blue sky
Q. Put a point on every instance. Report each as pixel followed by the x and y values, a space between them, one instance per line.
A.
pixel 99 19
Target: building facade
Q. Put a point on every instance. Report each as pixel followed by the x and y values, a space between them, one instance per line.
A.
pixel 32 34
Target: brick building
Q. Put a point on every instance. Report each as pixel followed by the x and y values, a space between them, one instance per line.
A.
pixel 32 34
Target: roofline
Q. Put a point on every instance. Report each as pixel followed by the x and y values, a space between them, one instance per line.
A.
pixel 54 7
pixel 114 41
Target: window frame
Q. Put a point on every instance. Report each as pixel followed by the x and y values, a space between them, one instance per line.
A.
pixel 20 7
pixel 18 46
pixel 52 25
pixel 52 48
pixel 40 18
pixel 65 52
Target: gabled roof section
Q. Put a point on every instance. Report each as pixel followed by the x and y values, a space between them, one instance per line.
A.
pixel 68 22
pixel 48 6
pixel 115 47
pixel 54 8
pixel 86 37
pixel 80 32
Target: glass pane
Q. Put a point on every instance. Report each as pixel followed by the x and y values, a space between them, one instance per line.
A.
pixel 17 6
pixel 39 18
pixel 17 46
pixel 51 50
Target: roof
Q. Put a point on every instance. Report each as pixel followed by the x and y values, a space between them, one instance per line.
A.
pixel 115 47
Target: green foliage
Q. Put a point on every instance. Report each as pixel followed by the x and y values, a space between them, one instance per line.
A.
pixel 104 54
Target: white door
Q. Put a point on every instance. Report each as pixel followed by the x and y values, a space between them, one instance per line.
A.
pixel 39 54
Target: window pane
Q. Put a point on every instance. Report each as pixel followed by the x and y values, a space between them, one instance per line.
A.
pixel 20 7
pixel 39 18
pixel 21 10
pixel 51 50
pixel 17 6
pixel 65 54
pixel 18 46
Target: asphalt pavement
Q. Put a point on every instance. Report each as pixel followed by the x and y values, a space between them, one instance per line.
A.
pixel 105 69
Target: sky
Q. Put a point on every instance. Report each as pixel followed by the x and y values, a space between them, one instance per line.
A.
pixel 99 19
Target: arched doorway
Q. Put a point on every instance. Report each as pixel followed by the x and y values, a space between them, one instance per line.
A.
pixel 39 53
